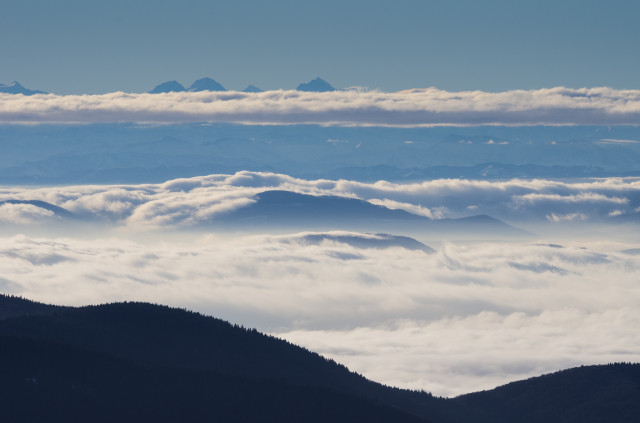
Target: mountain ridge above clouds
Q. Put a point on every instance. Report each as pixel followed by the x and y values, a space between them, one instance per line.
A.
pixel 16 88
pixel 287 209
pixel 168 87
pixel 267 210
pixel 206 84
pixel 316 85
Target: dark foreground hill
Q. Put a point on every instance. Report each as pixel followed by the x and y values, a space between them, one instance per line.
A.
pixel 608 393
pixel 160 336
pixel 137 361
pixel 44 381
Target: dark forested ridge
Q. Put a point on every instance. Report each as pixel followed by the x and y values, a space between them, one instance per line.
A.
pixel 44 381
pixel 11 306
pixel 161 336
pixel 138 361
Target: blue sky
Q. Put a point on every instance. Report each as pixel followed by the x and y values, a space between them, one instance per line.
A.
pixel 95 47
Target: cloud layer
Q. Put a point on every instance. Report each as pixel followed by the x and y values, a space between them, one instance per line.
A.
pixel 183 203
pixel 430 106
pixel 465 317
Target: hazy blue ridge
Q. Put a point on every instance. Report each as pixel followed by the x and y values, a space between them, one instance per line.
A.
pixel 168 87
pixel 206 84
pixel 316 85
pixel 16 88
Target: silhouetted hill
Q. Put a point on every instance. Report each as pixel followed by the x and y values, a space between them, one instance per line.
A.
pixel 168 87
pixel 316 85
pixel 160 336
pixel 16 88
pixel 206 84
pixel 127 361
pixel 44 381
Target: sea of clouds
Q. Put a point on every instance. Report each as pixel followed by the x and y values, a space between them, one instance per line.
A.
pixel 463 318
pixel 189 202
pixel 429 106
pixel 467 316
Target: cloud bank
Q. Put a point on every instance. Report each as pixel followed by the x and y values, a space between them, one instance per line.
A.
pixel 430 106
pixel 462 318
pixel 189 202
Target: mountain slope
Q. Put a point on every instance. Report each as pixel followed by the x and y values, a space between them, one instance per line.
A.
pixel 74 363
pixel 11 306
pixel 588 394
pixel 45 381
pixel 16 88
pixel 161 336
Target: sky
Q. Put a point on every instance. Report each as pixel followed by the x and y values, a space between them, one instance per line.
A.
pixel 76 47
pixel 469 315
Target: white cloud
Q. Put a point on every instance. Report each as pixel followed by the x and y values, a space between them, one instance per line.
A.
pixel 566 217
pixel 412 208
pixel 24 214
pixel 430 106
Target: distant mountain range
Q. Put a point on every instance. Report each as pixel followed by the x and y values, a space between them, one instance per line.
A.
pixel 141 362
pixel 208 84
pixel 16 88
pixel 203 84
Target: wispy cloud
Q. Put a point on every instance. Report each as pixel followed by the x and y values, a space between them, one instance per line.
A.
pixel 430 106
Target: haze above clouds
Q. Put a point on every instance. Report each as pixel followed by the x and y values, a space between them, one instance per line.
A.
pixel 430 106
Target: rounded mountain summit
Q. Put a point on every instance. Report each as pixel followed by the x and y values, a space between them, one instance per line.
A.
pixel 318 85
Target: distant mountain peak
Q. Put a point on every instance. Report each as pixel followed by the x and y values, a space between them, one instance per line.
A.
pixel 252 89
pixel 17 88
pixel 168 87
pixel 316 85
pixel 206 84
